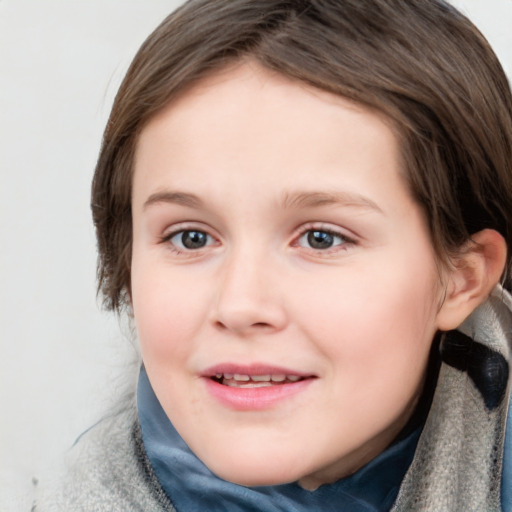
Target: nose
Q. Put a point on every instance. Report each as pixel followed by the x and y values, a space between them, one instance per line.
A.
pixel 248 299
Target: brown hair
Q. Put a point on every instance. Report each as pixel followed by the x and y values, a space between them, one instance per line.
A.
pixel 420 62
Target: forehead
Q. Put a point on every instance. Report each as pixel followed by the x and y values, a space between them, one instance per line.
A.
pixel 248 124
pixel 226 91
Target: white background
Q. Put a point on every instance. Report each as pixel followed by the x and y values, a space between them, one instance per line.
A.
pixel 61 357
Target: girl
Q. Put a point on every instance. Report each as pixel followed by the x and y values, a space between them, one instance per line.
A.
pixel 306 208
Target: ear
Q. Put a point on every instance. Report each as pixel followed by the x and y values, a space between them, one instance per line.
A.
pixel 476 270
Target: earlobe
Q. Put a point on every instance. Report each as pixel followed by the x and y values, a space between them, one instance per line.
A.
pixel 475 272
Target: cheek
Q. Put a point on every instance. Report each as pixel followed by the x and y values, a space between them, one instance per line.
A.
pixel 377 345
pixel 166 313
pixel 375 322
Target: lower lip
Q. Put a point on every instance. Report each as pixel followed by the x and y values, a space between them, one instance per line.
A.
pixel 253 399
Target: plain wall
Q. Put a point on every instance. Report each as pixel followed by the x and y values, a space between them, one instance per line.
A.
pixel 60 64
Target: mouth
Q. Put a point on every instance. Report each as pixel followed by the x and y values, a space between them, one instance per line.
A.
pixel 254 387
pixel 241 380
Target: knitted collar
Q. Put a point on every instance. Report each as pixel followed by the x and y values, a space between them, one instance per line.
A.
pixel 459 457
pixel 191 486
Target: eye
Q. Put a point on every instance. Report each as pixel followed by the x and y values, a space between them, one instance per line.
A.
pixel 321 239
pixel 189 240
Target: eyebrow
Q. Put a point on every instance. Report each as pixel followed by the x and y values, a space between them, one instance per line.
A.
pixel 290 200
pixel 182 198
pixel 316 199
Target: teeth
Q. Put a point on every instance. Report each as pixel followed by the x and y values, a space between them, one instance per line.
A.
pixel 259 379
pixel 234 384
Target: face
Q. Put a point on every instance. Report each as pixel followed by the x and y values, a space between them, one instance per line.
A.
pixel 284 286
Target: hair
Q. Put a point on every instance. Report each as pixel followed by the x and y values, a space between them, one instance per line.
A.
pixel 421 63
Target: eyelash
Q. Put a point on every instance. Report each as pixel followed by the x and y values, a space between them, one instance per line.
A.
pixel 345 241
pixel 305 231
pixel 167 239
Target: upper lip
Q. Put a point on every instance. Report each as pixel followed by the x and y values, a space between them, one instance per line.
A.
pixel 252 369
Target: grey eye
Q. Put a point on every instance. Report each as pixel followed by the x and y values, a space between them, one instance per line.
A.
pixel 191 239
pixel 320 240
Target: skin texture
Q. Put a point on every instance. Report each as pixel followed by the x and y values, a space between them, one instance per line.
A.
pixel 267 161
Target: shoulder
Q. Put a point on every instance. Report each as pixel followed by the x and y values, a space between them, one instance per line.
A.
pixel 458 462
pixel 506 480
pixel 106 471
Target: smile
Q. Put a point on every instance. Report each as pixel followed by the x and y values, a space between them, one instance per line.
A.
pixel 254 381
pixel 257 387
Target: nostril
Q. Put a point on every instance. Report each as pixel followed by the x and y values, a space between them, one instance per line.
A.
pixel 260 324
pixel 220 325
pixel 257 325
